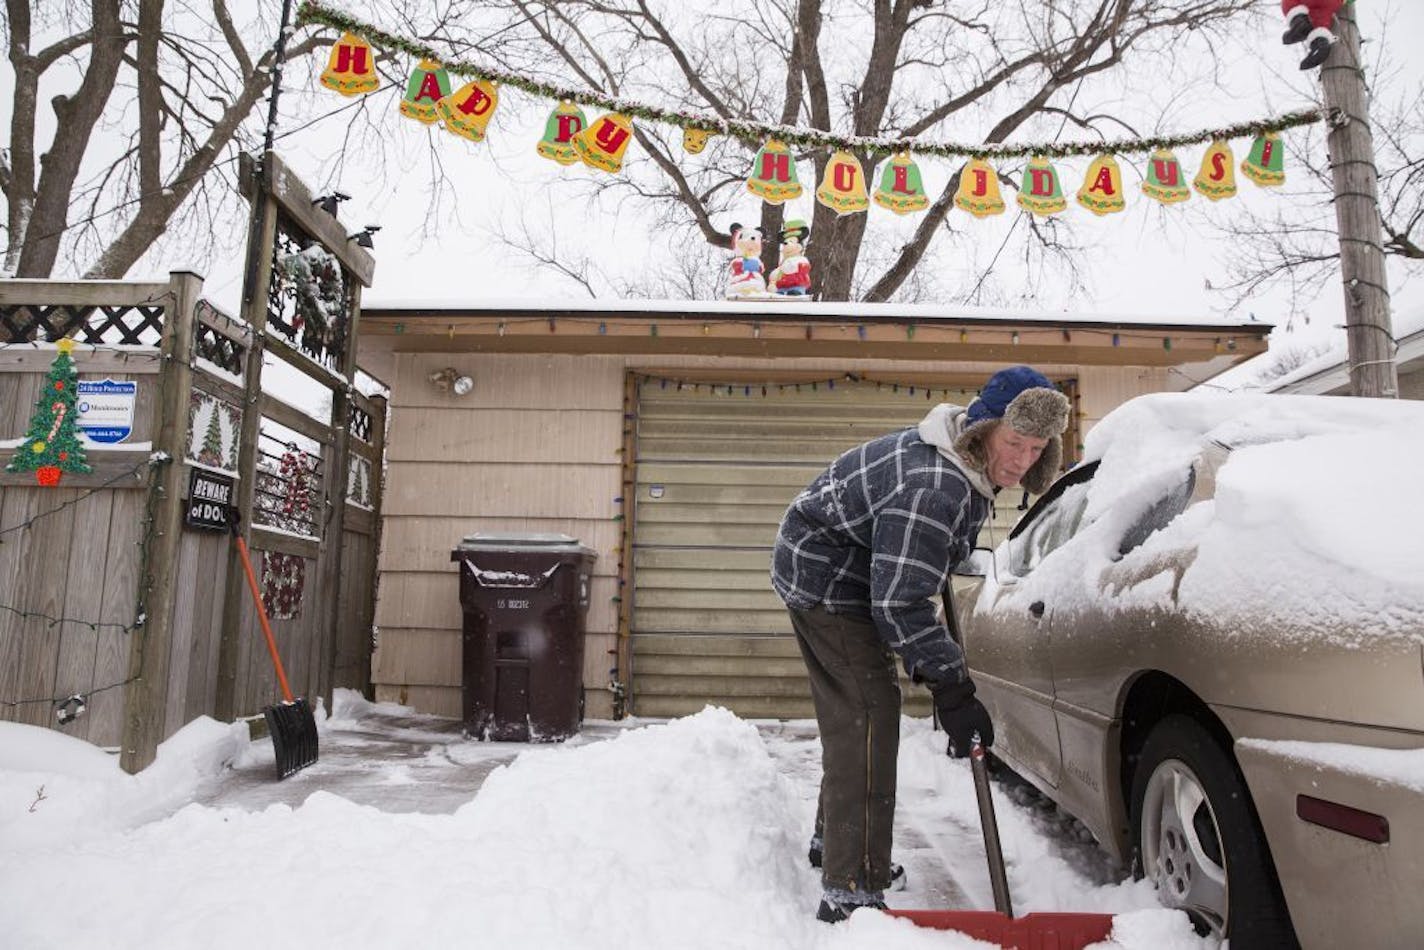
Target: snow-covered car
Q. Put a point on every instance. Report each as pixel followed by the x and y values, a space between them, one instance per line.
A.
pixel 1206 642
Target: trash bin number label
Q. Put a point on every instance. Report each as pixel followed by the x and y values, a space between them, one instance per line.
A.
pixel 510 603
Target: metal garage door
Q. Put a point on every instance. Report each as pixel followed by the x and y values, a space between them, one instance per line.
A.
pixel 715 471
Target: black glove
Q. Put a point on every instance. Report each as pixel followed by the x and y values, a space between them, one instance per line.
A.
pixel 961 715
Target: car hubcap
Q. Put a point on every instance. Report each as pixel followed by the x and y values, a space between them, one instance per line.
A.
pixel 1181 847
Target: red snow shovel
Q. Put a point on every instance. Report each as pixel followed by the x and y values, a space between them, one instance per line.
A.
pixel 1044 931
pixel 290 723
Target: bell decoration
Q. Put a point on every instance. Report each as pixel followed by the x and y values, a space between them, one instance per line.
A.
pixel 1040 191
pixel 695 140
pixel 351 68
pixel 843 185
pixel 557 145
pixel 468 110
pixel 1266 163
pixel 428 84
pixel 602 144
pixel 1165 181
pixel 901 188
pixel 1102 187
pixel 1217 178
pixel 978 191
pixel 773 177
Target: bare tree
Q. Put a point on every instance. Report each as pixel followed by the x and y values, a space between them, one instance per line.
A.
pixel 177 84
pixel 1297 245
pixel 918 69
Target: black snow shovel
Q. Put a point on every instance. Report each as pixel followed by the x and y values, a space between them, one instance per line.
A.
pixel 290 723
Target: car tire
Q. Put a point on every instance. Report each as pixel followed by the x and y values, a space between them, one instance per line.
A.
pixel 1198 838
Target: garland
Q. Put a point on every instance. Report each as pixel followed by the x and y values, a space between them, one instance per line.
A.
pixel 754 133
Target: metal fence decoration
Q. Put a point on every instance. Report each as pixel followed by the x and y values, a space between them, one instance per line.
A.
pixel 360 425
pixel 287 487
pixel 122 324
pixel 219 349
pixel 308 297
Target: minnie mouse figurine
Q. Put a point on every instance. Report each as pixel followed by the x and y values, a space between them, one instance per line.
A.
pixel 747 279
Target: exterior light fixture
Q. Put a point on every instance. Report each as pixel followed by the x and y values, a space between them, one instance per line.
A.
pixel 451 380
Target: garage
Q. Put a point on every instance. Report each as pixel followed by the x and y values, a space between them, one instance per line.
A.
pixel 716 466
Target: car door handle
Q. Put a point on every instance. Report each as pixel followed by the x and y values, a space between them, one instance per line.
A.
pixel 1036 608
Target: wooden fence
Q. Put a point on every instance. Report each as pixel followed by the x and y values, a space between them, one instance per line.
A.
pixel 119 621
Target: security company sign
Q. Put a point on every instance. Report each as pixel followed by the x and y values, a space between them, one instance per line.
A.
pixel 106 409
pixel 209 500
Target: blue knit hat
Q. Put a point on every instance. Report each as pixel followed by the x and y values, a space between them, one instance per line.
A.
pixel 1028 402
pixel 1002 388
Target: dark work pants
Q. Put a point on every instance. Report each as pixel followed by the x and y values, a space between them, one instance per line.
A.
pixel 857 696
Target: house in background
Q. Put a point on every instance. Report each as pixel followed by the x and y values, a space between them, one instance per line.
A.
pixel 669 437
pixel 1329 373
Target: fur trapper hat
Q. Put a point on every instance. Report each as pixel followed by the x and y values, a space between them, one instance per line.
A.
pixel 1027 401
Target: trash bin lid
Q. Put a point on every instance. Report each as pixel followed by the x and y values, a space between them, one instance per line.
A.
pixel 542 542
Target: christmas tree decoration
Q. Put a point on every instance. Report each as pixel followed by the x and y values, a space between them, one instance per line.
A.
pixel 1102 187
pixel 1041 192
pixel 978 191
pixel 603 144
pixel 51 447
pixel 1165 181
pixel 1265 165
pixel 566 121
pixel 351 68
pixel 695 140
pixel 901 188
pixel 843 185
pixel 467 111
pixel 1217 177
pixel 427 85
pixel 773 177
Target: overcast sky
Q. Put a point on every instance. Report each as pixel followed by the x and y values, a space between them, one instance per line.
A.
pixel 1148 260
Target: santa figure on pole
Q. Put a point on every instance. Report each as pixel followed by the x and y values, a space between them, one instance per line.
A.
pixel 1310 20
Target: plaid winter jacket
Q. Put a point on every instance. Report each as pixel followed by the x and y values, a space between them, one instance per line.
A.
pixel 876 535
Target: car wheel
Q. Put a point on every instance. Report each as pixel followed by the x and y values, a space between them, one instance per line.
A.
pixel 1199 841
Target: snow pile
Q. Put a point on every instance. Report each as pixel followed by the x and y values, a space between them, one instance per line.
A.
pixel 55 788
pixel 684 835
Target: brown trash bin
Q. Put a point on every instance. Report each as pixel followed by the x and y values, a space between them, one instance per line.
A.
pixel 525 600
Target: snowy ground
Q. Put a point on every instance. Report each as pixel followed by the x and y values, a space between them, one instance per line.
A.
pixel 683 834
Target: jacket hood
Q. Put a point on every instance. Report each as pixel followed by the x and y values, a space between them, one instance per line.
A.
pixel 942 428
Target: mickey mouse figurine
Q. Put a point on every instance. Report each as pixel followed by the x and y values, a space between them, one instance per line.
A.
pixel 747 279
pixel 1310 20
pixel 792 276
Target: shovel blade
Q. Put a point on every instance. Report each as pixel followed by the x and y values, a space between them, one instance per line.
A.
pixel 1042 931
pixel 293 730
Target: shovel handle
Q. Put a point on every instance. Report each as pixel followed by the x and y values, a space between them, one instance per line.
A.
pixel 998 879
pixel 262 614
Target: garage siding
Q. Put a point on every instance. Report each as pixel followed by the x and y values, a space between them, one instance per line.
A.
pixel 715 470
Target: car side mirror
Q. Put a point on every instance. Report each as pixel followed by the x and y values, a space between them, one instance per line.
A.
pixel 979 563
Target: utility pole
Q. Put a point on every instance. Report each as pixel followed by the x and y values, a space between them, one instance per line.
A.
pixel 1352 164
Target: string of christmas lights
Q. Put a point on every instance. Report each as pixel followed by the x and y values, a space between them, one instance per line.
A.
pixel 753 132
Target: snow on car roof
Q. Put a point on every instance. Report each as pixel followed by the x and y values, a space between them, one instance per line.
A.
pixel 1317 514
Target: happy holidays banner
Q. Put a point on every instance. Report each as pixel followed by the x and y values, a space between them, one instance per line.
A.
pixel 569 137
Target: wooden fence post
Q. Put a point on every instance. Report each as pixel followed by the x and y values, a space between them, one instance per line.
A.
pixel 263 229
pixel 145 698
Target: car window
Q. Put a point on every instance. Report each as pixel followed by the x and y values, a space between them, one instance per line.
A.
pixel 1160 514
pixel 1050 528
